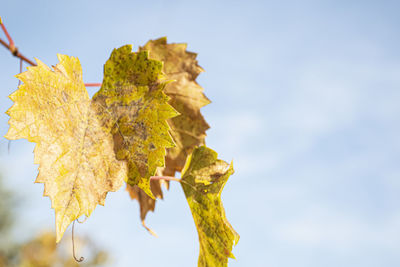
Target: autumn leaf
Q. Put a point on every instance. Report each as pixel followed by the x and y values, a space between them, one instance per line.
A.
pixel 146 203
pixel 77 162
pixel 85 147
pixel 203 178
pixel 186 96
pixel 136 110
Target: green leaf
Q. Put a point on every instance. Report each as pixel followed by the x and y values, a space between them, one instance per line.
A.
pixel 203 178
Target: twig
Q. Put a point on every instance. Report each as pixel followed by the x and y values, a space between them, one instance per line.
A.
pixel 15 52
pixel 92 84
pixel 167 178
pixel 21 63
pixel 10 40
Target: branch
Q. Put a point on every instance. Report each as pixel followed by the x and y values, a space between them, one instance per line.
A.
pixel 14 51
pixel 10 40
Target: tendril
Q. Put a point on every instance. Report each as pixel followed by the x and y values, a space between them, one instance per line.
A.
pixel 73 245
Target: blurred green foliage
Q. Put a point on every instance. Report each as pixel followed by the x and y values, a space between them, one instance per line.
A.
pixel 42 250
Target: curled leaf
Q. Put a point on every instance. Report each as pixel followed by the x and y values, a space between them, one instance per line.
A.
pixel 203 178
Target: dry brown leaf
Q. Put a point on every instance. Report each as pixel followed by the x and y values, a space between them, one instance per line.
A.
pixel 186 96
pixel 187 129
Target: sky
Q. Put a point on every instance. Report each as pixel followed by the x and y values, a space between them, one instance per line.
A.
pixel 305 101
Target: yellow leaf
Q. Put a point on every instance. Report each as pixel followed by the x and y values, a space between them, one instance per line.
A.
pixel 77 163
pixel 136 109
pixel 203 178
pixel 85 147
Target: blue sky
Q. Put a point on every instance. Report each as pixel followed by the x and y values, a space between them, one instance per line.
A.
pixel 305 101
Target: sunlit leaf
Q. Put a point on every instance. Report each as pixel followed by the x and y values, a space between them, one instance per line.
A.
pixel 203 178
pixel 85 147
pixel 77 163
pixel 136 109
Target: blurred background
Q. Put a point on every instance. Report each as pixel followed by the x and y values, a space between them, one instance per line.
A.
pixel 306 101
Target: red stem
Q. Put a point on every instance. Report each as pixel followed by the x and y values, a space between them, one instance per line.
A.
pixel 10 40
pixel 167 178
pixel 92 84
pixel 16 53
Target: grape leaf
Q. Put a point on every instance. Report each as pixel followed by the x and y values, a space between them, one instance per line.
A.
pixel 186 96
pixel 136 109
pixel 77 163
pixel 203 178
pixel 85 147
pixel 146 203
